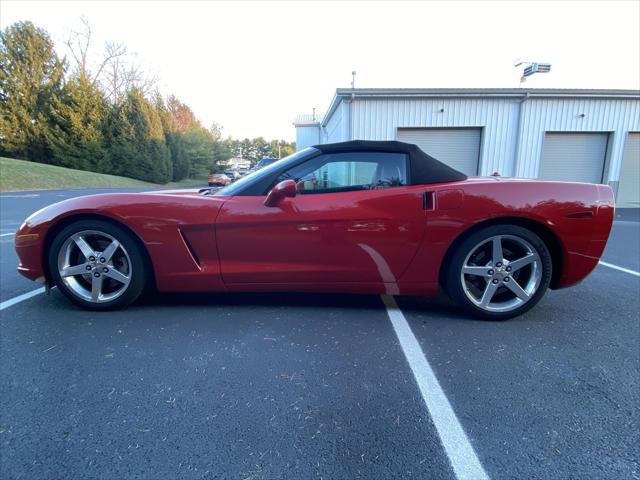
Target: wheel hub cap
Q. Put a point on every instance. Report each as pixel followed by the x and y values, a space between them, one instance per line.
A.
pixel 94 266
pixel 501 273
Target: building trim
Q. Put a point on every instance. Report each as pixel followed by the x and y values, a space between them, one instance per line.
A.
pixel 306 124
pixel 486 92
pixel 518 93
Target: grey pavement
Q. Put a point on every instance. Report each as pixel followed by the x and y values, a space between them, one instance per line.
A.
pixel 254 386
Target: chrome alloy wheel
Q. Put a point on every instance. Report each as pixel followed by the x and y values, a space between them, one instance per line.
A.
pixel 501 273
pixel 94 266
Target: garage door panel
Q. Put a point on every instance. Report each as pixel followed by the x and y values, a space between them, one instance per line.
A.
pixel 629 185
pixel 457 147
pixel 573 157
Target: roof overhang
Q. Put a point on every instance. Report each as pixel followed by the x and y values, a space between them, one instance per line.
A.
pixel 516 93
pixel 308 120
pixel 306 124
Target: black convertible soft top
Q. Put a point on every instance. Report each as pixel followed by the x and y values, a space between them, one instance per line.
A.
pixel 424 168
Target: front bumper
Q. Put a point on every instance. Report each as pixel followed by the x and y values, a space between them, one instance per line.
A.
pixel 29 246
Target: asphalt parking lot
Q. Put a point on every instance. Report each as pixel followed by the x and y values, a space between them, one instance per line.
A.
pixel 254 386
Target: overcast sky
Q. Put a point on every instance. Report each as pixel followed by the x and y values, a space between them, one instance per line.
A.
pixel 252 66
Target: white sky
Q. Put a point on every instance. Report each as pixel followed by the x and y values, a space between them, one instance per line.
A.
pixel 252 66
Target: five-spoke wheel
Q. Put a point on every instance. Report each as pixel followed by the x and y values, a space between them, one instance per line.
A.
pixel 500 271
pixel 94 265
pixel 97 264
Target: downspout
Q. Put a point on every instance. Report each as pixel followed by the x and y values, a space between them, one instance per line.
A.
pixel 516 158
pixel 347 133
pixel 353 96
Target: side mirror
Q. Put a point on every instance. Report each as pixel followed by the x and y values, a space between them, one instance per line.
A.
pixel 284 189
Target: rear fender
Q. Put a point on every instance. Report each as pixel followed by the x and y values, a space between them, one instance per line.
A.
pixel 578 215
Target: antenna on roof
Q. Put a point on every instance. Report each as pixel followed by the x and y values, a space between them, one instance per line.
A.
pixel 353 79
pixel 313 117
pixel 531 68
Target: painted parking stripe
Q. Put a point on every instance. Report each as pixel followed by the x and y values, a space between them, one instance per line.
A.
pixel 21 298
pixel 622 269
pixel 22 195
pixel 461 454
pixel 6 234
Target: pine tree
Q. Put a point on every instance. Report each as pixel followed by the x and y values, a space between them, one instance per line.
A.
pixel 31 76
pixel 136 140
pixel 76 139
pixel 174 139
pixel 179 157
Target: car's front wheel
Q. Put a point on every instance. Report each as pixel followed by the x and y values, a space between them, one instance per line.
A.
pixel 499 272
pixel 97 265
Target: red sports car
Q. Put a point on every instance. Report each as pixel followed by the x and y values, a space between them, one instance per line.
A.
pixel 357 217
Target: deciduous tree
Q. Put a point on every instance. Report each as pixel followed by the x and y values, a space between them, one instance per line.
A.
pixel 182 118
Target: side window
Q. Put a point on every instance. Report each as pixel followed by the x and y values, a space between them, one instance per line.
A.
pixel 344 172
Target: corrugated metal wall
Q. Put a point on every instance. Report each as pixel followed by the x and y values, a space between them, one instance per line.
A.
pixel 512 128
pixel 565 115
pixel 379 119
pixel 307 135
pixel 332 131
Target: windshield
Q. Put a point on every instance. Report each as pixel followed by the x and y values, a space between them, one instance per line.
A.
pixel 240 184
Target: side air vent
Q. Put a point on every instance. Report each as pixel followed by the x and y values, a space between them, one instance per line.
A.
pixel 585 214
pixel 192 252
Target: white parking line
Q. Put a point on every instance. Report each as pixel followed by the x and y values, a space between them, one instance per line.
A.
pixel 6 234
pixel 622 269
pixel 21 298
pixel 461 454
pixel 22 195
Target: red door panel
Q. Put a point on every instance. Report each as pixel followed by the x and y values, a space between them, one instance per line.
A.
pixel 361 236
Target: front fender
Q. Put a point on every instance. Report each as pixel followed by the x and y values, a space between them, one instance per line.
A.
pixel 178 232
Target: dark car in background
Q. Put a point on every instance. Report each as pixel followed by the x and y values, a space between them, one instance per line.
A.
pixel 232 174
pixel 264 162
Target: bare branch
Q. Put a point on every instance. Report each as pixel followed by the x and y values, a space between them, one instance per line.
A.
pixel 79 43
pixel 111 52
pixel 117 71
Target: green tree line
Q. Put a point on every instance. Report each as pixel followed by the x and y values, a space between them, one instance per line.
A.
pixel 51 113
pixel 258 148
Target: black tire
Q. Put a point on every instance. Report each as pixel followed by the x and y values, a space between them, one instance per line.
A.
pixel 138 267
pixel 453 275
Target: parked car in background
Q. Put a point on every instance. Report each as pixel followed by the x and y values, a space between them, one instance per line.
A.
pixel 232 174
pixel 264 162
pixel 218 180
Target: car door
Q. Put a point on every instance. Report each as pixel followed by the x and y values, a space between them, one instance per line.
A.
pixel 354 219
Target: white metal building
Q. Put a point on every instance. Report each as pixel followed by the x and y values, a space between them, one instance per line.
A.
pixel 575 135
pixel 238 162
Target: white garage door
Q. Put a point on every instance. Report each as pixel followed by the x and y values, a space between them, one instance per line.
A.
pixel 574 157
pixel 629 186
pixel 457 147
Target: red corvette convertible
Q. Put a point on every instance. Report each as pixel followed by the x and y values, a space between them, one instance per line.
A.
pixel 358 217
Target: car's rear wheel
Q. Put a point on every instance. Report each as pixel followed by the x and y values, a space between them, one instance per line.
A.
pixel 97 265
pixel 499 272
